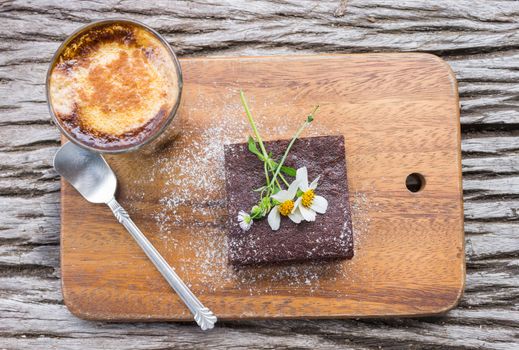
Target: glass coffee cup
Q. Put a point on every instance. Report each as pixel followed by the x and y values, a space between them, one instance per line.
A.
pixel 114 86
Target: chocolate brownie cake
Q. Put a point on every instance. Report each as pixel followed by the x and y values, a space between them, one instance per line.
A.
pixel 329 236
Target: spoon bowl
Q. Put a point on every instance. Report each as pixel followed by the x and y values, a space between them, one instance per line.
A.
pixel 87 171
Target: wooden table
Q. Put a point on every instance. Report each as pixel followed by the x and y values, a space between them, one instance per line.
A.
pixel 479 39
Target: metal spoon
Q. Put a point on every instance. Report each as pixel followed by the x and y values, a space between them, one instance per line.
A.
pixel 89 173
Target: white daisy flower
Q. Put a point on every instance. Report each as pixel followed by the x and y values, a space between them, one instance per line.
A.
pixel 286 207
pixel 309 203
pixel 245 220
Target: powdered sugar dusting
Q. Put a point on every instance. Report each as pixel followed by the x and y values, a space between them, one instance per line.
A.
pixel 191 214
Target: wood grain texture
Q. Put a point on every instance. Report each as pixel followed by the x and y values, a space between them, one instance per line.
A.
pixel 480 41
pixel 399 114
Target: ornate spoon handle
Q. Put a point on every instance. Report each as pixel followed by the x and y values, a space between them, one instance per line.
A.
pixel 202 315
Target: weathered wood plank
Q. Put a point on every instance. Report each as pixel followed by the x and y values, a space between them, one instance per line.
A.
pixel 480 40
pixel 49 318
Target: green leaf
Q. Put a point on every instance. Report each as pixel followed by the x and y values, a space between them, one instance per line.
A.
pixel 285 169
pixel 288 170
pixel 310 118
pixel 251 144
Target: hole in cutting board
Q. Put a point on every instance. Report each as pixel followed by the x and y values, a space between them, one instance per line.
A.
pixel 415 182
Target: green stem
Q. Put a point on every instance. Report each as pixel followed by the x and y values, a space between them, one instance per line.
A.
pixel 266 173
pixel 284 180
pixel 278 169
pixel 298 132
pixel 252 124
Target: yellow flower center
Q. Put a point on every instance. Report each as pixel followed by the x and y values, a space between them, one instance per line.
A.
pixel 286 207
pixel 308 197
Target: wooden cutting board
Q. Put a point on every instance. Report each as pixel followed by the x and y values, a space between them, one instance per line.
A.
pixel 399 114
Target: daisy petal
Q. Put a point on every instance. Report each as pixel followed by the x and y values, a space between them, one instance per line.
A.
pixel 302 177
pixel 296 216
pixel 241 216
pixel 282 196
pixel 285 195
pixel 319 204
pixel 307 213
pixel 313 185
pixel 292 189
pixel 245 226
pixel 297 204
pixel 274 218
